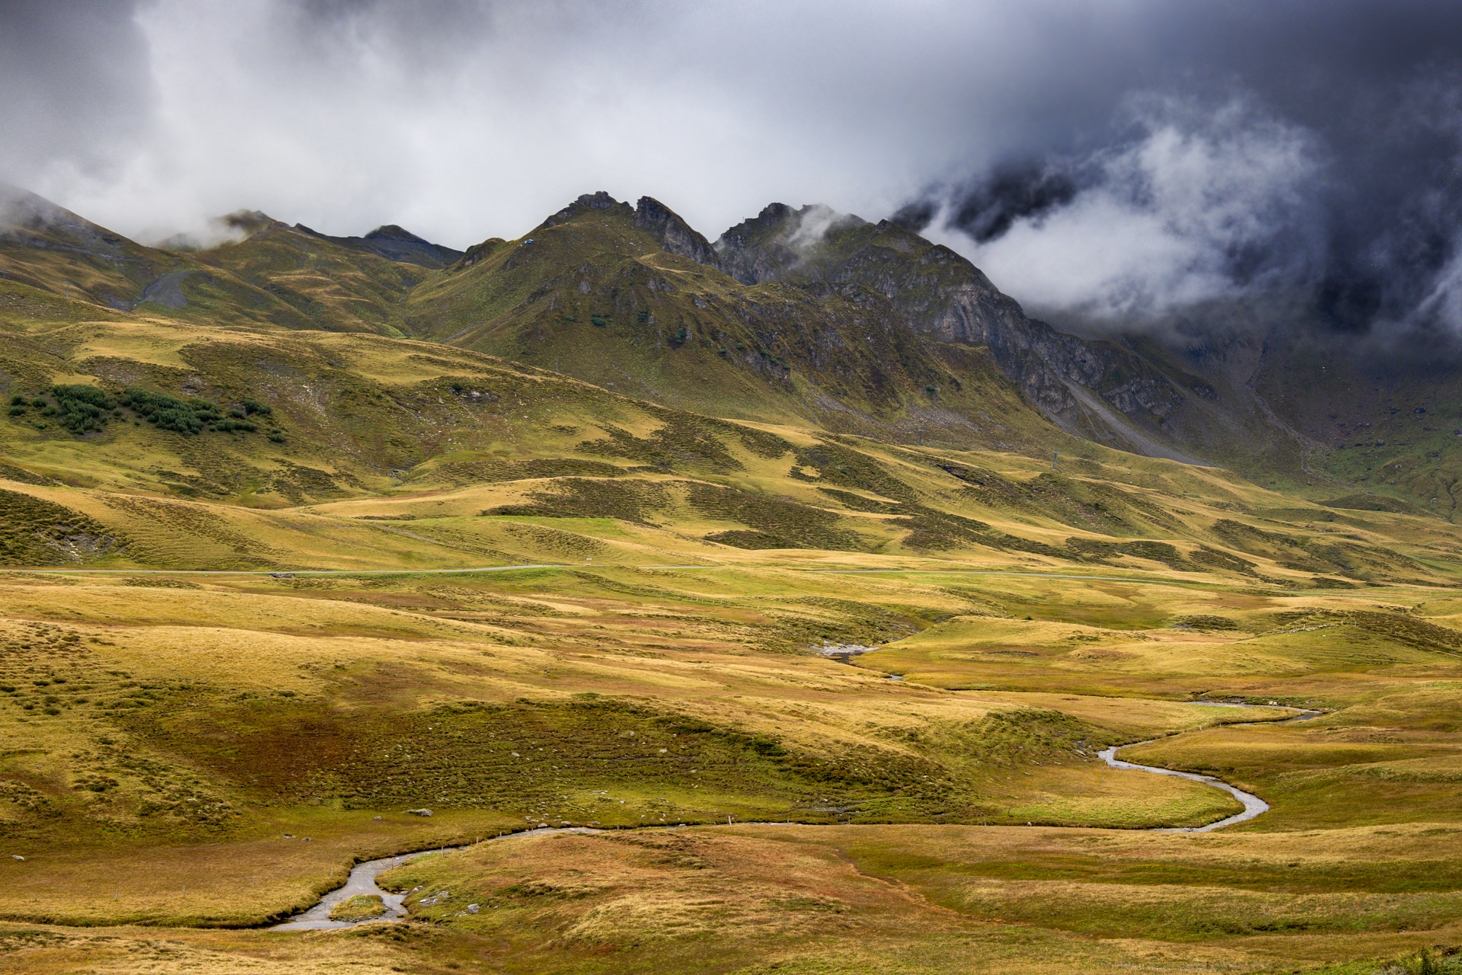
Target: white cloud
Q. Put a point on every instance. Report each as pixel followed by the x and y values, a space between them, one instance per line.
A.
pixel 463 119
pixel 1173 217
pixel 467 119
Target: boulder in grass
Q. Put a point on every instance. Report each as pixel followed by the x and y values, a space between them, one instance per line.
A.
pixel 418 812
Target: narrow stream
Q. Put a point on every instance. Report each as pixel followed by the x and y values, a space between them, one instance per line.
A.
pixel 362 879
pixel 1253 805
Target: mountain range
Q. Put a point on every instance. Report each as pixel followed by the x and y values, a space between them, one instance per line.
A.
pixel 316 550
pixel 797 314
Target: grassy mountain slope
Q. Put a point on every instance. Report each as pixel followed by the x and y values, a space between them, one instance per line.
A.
pixel 54 250
pixel 359 433
pixel 594 296
pixel 331 283
pixel 822 329
pixel 800 316
pixel 1220 389
pixel 795 585
pixel 61 255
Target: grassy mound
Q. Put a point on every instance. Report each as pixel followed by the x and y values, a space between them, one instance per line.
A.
pixel 361 907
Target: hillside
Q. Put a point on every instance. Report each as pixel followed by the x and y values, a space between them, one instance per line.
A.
pixel 779 577
pixel 264 422
pixel 790 401
pixel 804 317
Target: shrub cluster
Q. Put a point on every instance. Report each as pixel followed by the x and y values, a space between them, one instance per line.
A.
pixel 77 408
pixel 81 409
pixel 170 413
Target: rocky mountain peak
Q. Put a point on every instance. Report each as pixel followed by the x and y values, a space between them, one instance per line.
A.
pixel 588 202
pixel 674 234
pixel 780 243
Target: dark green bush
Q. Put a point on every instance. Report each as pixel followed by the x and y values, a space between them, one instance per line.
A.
pixel 82 408
pixel 170 413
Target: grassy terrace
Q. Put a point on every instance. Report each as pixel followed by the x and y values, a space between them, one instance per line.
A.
pixel 283 655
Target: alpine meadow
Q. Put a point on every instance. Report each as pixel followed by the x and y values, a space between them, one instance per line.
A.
pixel 615 598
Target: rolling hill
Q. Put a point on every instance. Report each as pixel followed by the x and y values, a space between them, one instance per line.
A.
pixel 803 316
pixel 800 577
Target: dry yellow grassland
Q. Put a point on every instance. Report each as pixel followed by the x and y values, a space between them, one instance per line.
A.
pixel 189 754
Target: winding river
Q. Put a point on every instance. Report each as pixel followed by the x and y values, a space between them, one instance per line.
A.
pixel 362 879
pixel 1253 805
pixel 362 882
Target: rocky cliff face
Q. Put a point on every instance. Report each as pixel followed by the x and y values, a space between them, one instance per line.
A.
pixel 759 249
pixel 939 293
pixel 674 234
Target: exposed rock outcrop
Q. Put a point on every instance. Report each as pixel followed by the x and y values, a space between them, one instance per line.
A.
pixel 589 201
pixel 674 234
pixel 941 294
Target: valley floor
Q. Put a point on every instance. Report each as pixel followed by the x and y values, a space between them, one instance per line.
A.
pixel 267 597
pixel 189 756
pixel 559 551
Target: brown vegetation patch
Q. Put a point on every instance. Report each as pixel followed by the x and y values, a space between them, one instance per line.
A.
pixel 34 531
pixel 577 497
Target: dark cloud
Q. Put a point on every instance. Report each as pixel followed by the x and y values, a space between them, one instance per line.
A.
pixel 74 84
pixel 1108 159
pixel 1396 214
pixel 1360 102
pixel 989 207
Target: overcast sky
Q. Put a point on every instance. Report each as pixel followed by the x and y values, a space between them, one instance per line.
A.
pixel 1117 159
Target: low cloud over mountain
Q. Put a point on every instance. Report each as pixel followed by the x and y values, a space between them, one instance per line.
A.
pixel 1115 162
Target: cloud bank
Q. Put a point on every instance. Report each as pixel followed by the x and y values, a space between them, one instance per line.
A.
pixel 1194 204
pixel 1115 160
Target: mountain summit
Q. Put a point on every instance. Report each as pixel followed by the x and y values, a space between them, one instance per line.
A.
pixel 395 244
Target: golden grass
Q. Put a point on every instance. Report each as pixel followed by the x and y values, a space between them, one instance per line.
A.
pixel 839 899
pixel 164 731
